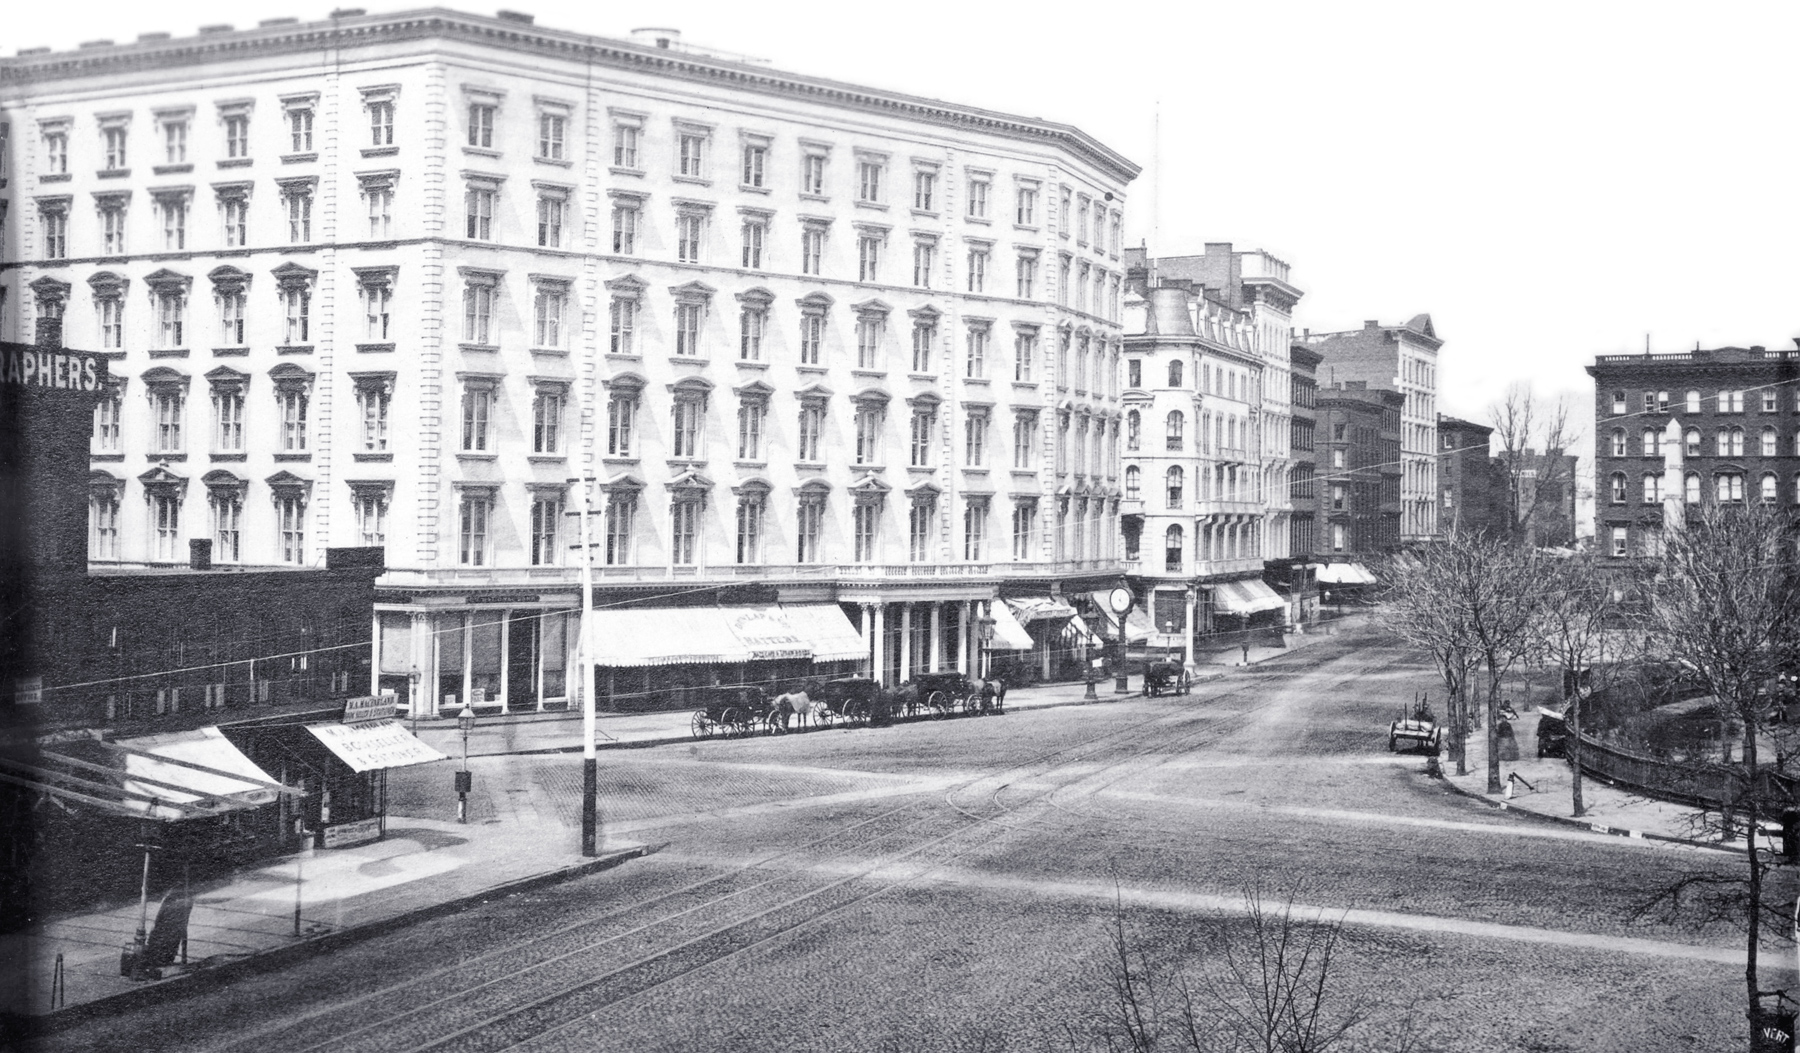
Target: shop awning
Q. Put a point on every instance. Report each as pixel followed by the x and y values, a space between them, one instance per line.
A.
pixel 646 636
pixel 824 626
pixel 374 746
pixel 171 776
pixel 1039 609
pixel 1009 635
pixel 1077 634
pixel 1345 574
pixel 1246 597
pixel 765 633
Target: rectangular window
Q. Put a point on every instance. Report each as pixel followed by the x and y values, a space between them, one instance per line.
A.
pixel 684 533
pixel 56 235
pixel 112 323
pixel 546 421
pixel 755 157
pixel 812 250
pixel 381 123
pixel 976 361
pixel 868 343
pixel 755 230
pixel 235 211
pixel 376 301
pixel 546 520
pixel 868 181
pixel 919 522
pixel 478 312
pixel 868 435
pixel 1027 274
pixel 372 407
pixel 924 262
pixel 381 211
pixel 1024 527
pixel 371 518
pixel 620 511
pixel 691 155
pixel 165 513
pixel 924 436
pixel 478 207
pixel 751 415
pixel 924 342
pixel 974 440
pixel 174 223
pixel 175 136
pixel 551 129
pixel 115 148
pixel 299 209
pixel 56 153
pixel 624 229
pixel 812 338
pixel 812 175
pixel 924 191
pixel 228 418
pixel 750 333
pixel 292 405
pixel 978 258
pixel 808 527
pixel 103 526
pixel 688 428
pixel 688 227
pixel 1024 352
pixel 868 259
pixel 624 325
pixel 975 532
pixel 171 311
pixel 237 135
pixel 550 210
pixel 228 518
pixel 625 146
pixel 1024 439
pixel 621 419
pixel 978 198
pixel 481 125
pixel 547 315
pixel 166 419
pixel 298 311
pixel 866 523
pixel 472 530
pixel 687 329
pixel 300 131
pixel 1026 214
pixel 812 424
pixel 477 409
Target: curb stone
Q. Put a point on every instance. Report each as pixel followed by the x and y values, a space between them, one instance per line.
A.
pixel 1583 824
pixel 202 980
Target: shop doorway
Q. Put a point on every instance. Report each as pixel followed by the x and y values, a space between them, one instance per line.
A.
pixel 523 636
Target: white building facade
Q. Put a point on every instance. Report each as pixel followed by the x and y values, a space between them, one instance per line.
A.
pixel 406 280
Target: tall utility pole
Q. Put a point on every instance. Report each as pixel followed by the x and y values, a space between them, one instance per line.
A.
pixel 590 762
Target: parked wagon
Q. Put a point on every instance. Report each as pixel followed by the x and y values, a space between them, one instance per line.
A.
pixel 1169 675
pixel 942 694
pixel 856 699
pixel 732 711
pixel 1419 731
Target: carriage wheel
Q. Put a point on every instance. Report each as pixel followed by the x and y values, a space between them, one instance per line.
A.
pixel 1393 744
pixel 938 703
pixel 820 716
pixel 972 704
pixel 701 727
pixel 773 720
pixel 731 721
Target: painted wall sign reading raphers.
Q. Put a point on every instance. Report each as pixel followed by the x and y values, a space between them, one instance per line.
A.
pixel 26 367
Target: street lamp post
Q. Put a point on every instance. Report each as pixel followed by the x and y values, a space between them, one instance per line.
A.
pixel 464 781
pixel 984 625
pixel 412 696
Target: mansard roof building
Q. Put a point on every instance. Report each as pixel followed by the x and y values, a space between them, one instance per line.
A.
pixel 405 280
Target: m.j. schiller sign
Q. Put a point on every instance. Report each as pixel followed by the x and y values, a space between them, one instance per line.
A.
pixel 31 367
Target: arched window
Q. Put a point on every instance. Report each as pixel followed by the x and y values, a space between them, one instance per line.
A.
pixel 1133 426
pixel 1175 373
pixel 1617 487
pixel 1724 444
pixel 1797 489
pixel 1693 402
pixel 1173 429
pixel 1770 442
pixel 1693 442
pixel 1174 478
pixel 1652 488
pixel 1690 488
pixel 1797 443
pixel 1172 549
pixel 1132 477
pixel 1618 442
pixel 1770 489
pixel 1737 442
pixel 1650 443
pixel 1729 486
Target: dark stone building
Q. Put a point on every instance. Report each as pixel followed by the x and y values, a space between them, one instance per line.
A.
pixel 1471 486
pixel 1359 469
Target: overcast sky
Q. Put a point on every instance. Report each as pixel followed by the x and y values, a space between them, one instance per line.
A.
pixel 1549 181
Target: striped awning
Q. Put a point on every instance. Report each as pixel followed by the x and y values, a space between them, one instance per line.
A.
pixel 171 776
pixel 1009 635
pixel 1246 597
pixel 824 626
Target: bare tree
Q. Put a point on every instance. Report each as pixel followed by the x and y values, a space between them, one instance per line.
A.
pixel 1500 599
pixel 1425 604
pixel 1533 438
pixel 1726 607
pixel 1573 633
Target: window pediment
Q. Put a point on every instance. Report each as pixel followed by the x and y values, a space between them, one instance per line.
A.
pixel 626 383
pixel 815 303
pixel 692 292
pixel 220 481
pixel 225 378
pixel 107 285
pixel 758 298
pixel 228 278
pixel 160 481
pixel 163 378
pixel 872 307
pixel 167 281
pixel 629 286
pixel 376 277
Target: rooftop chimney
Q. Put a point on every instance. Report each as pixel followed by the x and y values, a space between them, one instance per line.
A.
pixel 657 37
pixel 349 12
pixel 96 43
pixel 145 38
pixel 1372 324
pixel 218 27
pixel 277 22
pixel 515 16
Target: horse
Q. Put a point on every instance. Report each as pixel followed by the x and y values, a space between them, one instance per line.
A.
pixel 993 696
pixel 807 703
pixel 897 701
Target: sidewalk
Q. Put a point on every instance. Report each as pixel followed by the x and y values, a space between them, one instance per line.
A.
pixel 1544 790
pixel 422 869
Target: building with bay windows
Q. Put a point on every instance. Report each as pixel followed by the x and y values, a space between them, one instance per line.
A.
pixel 840 358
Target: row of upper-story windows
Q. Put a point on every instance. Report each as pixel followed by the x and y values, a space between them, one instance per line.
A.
pixel 1220 433
pixel 1766 399
pixel 1214 380
pixel 1220 483
pixel 1726 487
pixel 1727 442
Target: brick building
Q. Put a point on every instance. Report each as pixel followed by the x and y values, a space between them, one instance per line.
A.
pixel 1360 471
pixel 1472 488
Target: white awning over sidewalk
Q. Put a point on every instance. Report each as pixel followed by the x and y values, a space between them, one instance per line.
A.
pixel 1345 574
pixel 646 636
pixel 1009 635
pixel 374 746
pixel 170 776
pixel 1246 597
pixel 824 626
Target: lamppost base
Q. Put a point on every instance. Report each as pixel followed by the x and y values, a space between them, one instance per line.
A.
pixel 1090 696
pixel 1122 685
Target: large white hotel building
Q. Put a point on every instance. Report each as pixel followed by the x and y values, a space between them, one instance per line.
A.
pixel 844 363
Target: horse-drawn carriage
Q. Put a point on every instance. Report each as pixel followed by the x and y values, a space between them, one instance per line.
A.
pixel 1420 730
pixel 945 693
pixel 732 711
pixel 1169 675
